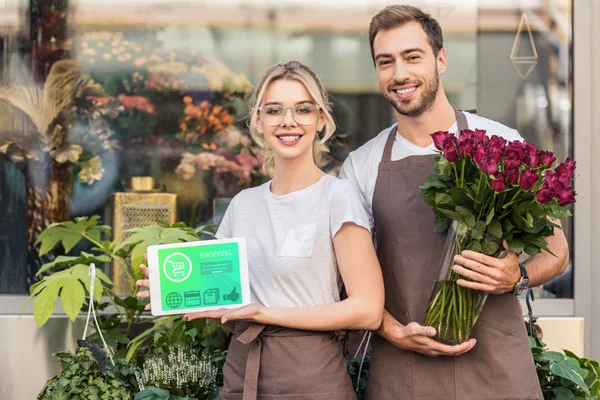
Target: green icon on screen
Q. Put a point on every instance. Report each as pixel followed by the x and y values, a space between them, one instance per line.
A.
pixel 177 267
pixel 173 300
pixel 232 296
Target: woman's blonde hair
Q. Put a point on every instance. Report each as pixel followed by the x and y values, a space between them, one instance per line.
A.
pixel 296 71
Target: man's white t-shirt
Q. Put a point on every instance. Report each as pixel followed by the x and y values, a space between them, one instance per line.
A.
pixel 362 165
pixel 291 259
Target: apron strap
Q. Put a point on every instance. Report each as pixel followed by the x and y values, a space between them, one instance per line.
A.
pixel 252 336
pixel 387 150
pixel 461 123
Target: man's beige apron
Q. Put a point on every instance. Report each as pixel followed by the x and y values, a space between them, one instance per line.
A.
pixel 500 366
pixel 275 363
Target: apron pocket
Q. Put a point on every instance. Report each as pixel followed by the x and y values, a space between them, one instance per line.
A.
pixel 299 242
pixel 496 325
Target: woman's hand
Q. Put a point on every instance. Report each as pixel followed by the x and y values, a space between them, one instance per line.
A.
pixel 144 283
pixel 251 312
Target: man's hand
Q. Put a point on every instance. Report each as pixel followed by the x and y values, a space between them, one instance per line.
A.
pixel 488 274
pixel 418 338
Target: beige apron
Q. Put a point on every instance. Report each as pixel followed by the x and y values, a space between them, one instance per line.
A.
pixel 275 363
pixel 500 366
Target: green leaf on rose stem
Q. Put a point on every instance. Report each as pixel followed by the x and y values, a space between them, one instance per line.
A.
pixel 433 184
pixel 429 198
pixel 451 214
pixel 489 216
pixel 443 199
pixel 559 212
pixel 467 215
pixel 528 220
pixel 476 233
pixel 531 249
pixel 516 245
pixel 444 166
pixel 461 229
pixel 441 224
pixel 494 228
pixel 460 198
pixel 507 226
pixel 490 246
pixel 475 245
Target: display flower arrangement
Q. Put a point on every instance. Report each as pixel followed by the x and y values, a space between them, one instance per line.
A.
pixel 488 190
pixel 178 374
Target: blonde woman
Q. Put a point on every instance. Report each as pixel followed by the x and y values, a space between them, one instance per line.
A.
pixel 306 232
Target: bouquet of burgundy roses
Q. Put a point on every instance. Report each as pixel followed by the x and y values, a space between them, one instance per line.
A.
pixel 483 191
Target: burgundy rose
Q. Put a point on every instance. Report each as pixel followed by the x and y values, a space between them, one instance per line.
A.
pixel 511 161
pixel 497 141
pixel 545 195
pixel 566 168
pixel 479 154
pixel 566 196
pixel 512 176
pixel 531 155
pixel 555 182
pixel 440 137
pixel 528 179
pixel 515 149
pixel 498 183
pixel 488 165
pixel 466 148
pixel 546 158
pixel 480 137
pixel 449 150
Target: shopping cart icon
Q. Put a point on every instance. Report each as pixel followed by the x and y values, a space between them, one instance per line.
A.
pixel 178 268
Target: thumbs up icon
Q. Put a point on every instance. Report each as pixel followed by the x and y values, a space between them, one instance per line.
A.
pixel 232 296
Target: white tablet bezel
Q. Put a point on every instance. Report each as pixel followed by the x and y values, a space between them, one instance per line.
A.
pixel 154 273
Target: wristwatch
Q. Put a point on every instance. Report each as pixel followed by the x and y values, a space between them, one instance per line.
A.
pixel 523 283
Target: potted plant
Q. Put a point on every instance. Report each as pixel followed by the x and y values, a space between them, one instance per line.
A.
pixel 82 379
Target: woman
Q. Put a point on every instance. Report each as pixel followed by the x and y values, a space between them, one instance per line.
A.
pixel 303 230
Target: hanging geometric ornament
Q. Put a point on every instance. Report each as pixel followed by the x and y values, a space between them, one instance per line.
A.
pixel 439 9
pixel 524 55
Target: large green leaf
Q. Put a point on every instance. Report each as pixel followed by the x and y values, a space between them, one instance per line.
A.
pixel 156 234
pixel 569 369
pixel 70 284
pixel 84 258
pixel 69 233
pixel 562 393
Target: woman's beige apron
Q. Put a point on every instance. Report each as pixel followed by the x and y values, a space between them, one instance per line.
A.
pixel 275 363
pixel 500 366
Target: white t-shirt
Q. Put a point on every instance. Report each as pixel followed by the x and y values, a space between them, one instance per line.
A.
pixel 291 259
pixel 362 165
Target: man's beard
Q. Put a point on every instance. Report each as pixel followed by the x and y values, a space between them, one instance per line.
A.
pixel 427 98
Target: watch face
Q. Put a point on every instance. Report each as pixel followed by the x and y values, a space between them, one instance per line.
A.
pixel 522 286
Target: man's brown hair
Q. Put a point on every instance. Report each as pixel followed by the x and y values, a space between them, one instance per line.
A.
pixel 396 16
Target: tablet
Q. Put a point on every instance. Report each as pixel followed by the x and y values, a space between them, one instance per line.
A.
pixel 198 276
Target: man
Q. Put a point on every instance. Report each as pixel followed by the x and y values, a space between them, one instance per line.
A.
pixel 496 363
